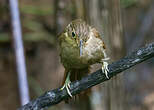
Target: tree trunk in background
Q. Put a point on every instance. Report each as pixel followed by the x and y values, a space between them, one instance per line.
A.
pixel 79 7
pixel 105 15
pixel 116 49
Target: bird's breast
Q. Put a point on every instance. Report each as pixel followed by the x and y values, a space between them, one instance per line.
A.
pixel 92 53
pixel 93 49
pixel 70 56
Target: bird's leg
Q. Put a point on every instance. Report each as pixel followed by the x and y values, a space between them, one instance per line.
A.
pixel 67 85
pixel 105 65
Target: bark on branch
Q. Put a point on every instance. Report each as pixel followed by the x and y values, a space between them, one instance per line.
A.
pixel 55 96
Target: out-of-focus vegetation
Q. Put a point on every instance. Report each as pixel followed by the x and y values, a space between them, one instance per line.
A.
pixel 36 10
pixel 43 20
pixel 128 3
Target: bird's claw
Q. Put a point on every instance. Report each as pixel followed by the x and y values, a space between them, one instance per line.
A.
pixel 105 69
pixel 67 86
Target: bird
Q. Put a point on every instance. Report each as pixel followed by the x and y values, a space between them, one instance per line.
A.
pixel 80 47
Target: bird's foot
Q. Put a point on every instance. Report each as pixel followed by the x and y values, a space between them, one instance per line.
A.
pixel 105 69
pixel 67 85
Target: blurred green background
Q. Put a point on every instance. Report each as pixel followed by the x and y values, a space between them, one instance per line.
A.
pixel 126 25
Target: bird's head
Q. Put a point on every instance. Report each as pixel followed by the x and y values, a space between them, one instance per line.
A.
pixel 76 34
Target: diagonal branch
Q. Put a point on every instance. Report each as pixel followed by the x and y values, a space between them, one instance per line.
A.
pixel 55 96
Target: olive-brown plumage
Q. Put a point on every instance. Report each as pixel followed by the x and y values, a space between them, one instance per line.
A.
pixel 80 46
pixel 92 45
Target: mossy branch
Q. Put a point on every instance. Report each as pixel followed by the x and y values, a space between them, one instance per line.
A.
pixel 55 96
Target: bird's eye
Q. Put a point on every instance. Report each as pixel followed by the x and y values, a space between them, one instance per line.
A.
pixel 73 34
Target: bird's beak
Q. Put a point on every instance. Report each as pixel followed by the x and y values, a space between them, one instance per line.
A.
pixel 81 47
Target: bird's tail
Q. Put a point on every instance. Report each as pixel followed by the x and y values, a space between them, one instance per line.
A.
pixel 83 99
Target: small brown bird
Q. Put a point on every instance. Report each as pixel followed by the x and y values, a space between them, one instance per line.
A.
pixel 80 46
